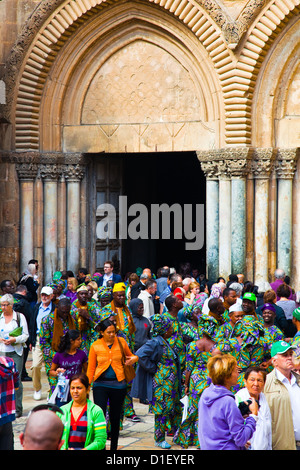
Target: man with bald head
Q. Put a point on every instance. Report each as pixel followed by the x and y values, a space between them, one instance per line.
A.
pixel 43 431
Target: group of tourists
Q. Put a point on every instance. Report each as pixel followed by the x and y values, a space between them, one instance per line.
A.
pixel 198 353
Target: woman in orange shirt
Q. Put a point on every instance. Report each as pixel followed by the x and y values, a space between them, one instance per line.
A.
pixel 106 372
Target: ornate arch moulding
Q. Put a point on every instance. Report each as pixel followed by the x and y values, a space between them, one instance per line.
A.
pixel 210 23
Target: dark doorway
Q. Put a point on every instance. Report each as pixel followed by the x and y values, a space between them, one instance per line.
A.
pixel 169 178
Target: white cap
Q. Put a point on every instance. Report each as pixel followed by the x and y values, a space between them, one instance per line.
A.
pixel 47 290
pixel 236 308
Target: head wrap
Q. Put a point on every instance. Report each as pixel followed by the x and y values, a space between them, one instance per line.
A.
pixel 296 313
pixel 82 287
pixel 134 305
pixel 119 286
pixel 268 307
pixel 104 292
pixel 56 276
pixel 237 307
pixel 161 324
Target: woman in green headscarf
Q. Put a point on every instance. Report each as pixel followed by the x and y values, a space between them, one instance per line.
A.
pixel 158 378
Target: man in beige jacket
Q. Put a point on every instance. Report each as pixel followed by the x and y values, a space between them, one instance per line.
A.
pixel 282 391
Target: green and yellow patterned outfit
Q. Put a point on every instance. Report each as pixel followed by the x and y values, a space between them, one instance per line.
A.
pixel 196 364
pixel 166 393
pixel 46 337
pixel 272 334
pixel 86 328
pixel 250 352
pixel 209 324
pixel 176 340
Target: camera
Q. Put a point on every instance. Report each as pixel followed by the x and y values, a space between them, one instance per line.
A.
pixel 244 407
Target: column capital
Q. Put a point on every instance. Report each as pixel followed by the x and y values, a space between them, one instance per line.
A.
pixel 262 163
pixel 49 172
pixel 27 171
pixel 225 163
pixel 73 172
pixel 286 163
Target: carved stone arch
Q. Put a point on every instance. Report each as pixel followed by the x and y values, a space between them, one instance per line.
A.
pixel 239 81
pixel 273 92
pixel 36 77
pixel 63 105
pixel 249 36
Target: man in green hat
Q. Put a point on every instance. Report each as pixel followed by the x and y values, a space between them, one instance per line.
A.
pixel 249 306
pixel 282 390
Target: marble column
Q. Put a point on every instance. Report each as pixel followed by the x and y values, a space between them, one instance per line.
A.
pixel 39 225
pixel 295 277
pixel 238 224
pixel 261 167
pixel 73 175
pixel 49 174
pixel 238 167
pixel 62 224
pixel 249 271
pixel 272 225
pixel 224 222
pixel 212 219
pixel 27 173
pixel 285 167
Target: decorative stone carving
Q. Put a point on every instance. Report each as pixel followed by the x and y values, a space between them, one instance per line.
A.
pixel 73 172
pixel 50 172
pixel 27 171
pixel 262 163
pixel 225 163
pixel 286 163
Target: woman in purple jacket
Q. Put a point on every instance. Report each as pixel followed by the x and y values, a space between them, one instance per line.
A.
pixel 221 425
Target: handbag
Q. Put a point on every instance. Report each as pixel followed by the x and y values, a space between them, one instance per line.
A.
pixel 128 370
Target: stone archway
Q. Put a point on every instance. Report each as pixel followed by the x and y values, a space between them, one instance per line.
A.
pixel 130 84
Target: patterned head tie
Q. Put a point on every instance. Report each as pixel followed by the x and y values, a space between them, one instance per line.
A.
pixel 119 287
pixel 104 292
pixel 160 324
pixel 82 287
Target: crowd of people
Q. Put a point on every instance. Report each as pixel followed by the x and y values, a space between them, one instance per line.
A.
pixel 216 362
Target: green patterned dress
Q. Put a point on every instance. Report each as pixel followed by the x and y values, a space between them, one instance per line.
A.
pixel 165 403
pixel 176 340
pixel 196 364
pixel 46 336
pixel 86 328
pixel 248 352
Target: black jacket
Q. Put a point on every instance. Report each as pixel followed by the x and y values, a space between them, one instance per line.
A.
pixel 22 305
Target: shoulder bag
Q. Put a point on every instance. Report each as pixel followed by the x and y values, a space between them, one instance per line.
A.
pixel 128 370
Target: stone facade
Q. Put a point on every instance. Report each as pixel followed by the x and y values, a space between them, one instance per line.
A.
pixel 79 77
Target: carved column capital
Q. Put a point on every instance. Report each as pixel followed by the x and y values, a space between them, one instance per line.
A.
pixel 73 172
pixel 225 163
pixel 49 172
pixel 286 163
pixel 263 163
pixel 27 171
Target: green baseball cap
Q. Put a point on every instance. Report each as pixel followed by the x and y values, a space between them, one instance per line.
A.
pixel 296 313
pixel 280 347
pixel 249 296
